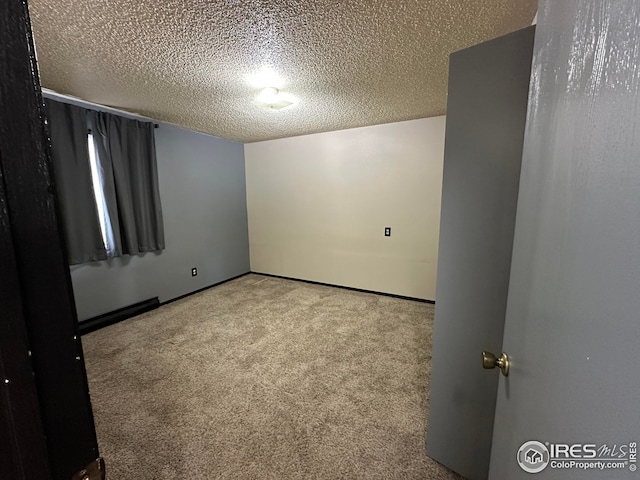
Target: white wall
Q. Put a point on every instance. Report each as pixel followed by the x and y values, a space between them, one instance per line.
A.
pixel 318 205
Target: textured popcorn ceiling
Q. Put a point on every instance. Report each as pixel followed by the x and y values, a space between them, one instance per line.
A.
pixel 194 62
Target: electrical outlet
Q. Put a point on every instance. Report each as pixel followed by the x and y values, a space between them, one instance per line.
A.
pixel 387 231
pixel 194 271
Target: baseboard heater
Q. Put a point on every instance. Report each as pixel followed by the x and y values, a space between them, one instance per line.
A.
pixel 116 316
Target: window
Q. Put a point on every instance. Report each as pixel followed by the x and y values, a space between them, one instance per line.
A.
pixel 106 177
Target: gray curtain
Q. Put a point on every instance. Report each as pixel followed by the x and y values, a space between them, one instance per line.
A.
pixel 127 156
pixel 72 173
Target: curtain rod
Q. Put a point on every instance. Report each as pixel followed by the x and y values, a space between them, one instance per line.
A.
pixel 48 93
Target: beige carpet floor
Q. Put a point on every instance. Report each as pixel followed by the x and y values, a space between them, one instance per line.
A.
pixel 265 378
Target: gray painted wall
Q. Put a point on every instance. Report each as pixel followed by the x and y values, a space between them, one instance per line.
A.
pixel 202 187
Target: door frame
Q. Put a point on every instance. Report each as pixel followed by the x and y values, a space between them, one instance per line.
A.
pixel 46 409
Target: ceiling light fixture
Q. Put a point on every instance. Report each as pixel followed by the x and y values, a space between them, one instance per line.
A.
pixel 272 98
pixel 269 95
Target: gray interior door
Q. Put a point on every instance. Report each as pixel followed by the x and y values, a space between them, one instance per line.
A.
pixel 573 315
pixel 486 114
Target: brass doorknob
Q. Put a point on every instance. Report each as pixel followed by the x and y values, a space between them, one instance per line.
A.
pixel 489 360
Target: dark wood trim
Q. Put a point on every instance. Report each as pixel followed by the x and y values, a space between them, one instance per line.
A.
pixel 40 257
pixel 101 321
pixel 204 288
pixel 121 314
pixel 402 297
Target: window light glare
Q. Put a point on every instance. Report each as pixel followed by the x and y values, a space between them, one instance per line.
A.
pixel 98 192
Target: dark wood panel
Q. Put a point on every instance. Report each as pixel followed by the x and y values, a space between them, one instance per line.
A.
pixel 30 215
pixel 22 443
